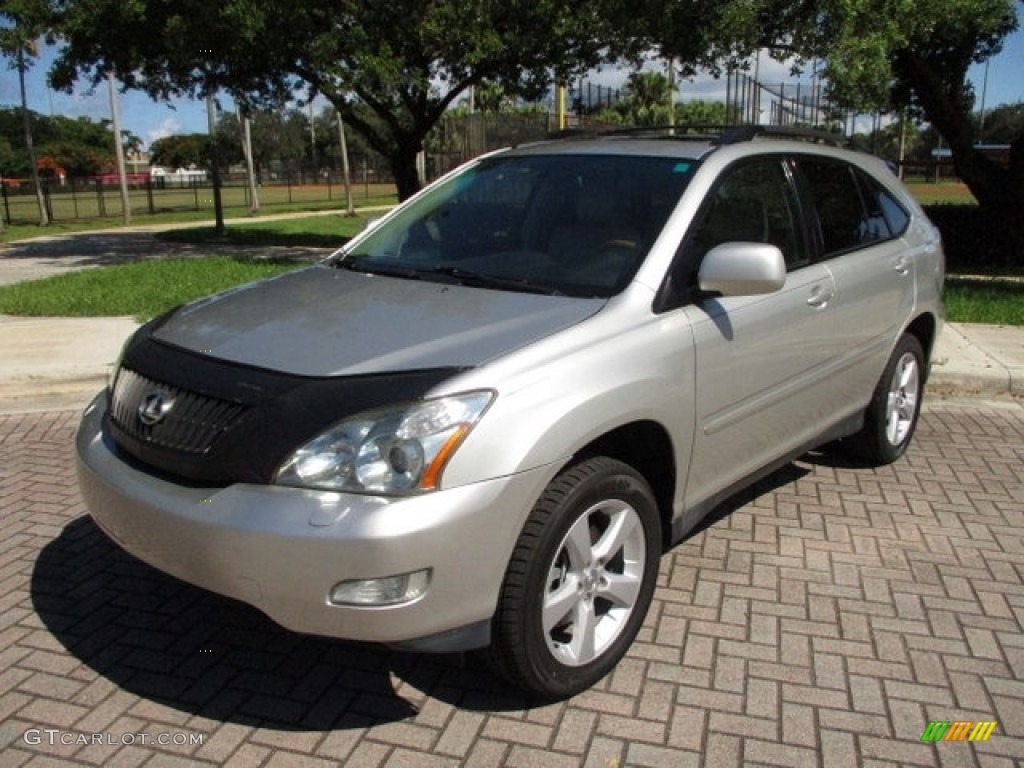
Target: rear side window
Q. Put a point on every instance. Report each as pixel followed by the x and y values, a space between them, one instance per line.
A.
pixel 851 208
pixel 896 217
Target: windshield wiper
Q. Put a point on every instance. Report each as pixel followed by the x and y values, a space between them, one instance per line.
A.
pixel 388 270
pixel 480 280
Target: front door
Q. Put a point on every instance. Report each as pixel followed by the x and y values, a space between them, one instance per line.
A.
pixel 760 360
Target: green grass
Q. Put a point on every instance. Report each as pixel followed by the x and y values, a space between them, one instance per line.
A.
pixel 143 289
pixel 949 192
pixel 981 300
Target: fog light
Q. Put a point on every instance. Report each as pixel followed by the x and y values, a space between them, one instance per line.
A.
pixel 389 590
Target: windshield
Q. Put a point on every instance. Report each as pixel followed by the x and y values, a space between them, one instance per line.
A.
pixel 575 225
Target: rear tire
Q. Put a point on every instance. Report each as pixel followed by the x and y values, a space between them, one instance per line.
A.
pixel 580 580
pixel 891 417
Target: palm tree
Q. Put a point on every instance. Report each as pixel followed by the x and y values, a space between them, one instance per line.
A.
pixel 23 22
pixel 649 97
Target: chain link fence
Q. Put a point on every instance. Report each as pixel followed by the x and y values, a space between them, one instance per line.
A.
pixel 456 139
pixel 92 198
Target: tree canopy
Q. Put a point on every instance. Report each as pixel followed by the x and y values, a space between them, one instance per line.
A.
pixel 391 69
pixel 908 55
pixel 77 146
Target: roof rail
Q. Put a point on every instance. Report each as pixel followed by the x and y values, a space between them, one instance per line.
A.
pixel 571 133
pixel 714 132
pixel 741 133
pixel 682 130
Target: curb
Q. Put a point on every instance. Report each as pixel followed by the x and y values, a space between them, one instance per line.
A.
pixel 973 359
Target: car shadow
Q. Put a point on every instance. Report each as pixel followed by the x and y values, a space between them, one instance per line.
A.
pixel 167 641
pixel 785 475
pixel 186 648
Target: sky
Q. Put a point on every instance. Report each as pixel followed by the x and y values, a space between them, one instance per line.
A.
pixel 151 120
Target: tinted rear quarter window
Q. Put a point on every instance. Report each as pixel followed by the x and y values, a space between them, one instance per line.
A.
pixel 896 217
pixel 853 210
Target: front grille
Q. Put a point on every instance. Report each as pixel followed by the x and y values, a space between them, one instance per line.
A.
pixel 190 423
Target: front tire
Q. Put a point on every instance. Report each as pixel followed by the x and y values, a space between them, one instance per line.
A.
pixel 580 580
pixel 891 417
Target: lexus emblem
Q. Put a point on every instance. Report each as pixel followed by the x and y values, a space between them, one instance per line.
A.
pixel 154 407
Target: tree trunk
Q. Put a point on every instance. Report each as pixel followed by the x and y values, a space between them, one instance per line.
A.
pixel 403 167
pixel 998 190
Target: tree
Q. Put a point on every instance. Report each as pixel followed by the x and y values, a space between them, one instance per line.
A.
pixel 186 48
pixel 195 150
pixel 22 22
pixel 80 146
pixel 700 112
pixel 180 151
pixel 648 100
pixel 391 69
pixel 1001 124
pixel 914 54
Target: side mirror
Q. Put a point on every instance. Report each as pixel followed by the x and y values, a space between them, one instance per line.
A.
pixel 742 269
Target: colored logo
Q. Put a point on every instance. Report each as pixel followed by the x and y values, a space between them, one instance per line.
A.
pixel 154 407
pixel 958 730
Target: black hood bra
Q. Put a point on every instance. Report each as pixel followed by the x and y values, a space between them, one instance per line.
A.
pixel 211 422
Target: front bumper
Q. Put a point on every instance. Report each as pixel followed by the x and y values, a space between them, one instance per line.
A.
pixel 282 550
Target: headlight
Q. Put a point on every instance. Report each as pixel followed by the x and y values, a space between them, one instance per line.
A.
pixel 392 450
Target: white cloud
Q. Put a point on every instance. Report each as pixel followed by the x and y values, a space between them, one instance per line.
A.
pixel 167 127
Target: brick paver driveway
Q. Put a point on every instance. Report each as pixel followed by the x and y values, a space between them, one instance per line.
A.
pixel 822 619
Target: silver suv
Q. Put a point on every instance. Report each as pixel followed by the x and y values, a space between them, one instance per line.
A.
pixel 481 422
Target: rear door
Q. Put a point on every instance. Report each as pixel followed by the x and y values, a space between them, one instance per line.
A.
pixel 858 225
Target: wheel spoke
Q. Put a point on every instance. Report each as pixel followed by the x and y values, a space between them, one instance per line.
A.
pixel 621 527
pixel 908 376
pixel 892 426
pixel 577 544
pixel 620 588
pixel 583 646
pixel 560 603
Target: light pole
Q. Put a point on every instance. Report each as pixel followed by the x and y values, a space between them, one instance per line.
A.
pixel 115 114
pixel 981 118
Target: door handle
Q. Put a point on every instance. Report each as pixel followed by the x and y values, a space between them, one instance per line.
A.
pixel 820 297
pixel 902 265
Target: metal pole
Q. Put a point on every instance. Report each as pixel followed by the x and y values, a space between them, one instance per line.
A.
pixel 254 200
pixel 350 209
pixel 115 114
pixel 44 216
pixel 728 97
pixel 218 203
pixel 981 118
pixel 671 95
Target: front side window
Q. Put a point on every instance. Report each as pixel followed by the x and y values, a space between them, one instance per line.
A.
pixel 571 224
pixel 754 203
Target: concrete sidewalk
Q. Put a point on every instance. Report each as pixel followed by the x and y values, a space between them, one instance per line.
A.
pixel 50 362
